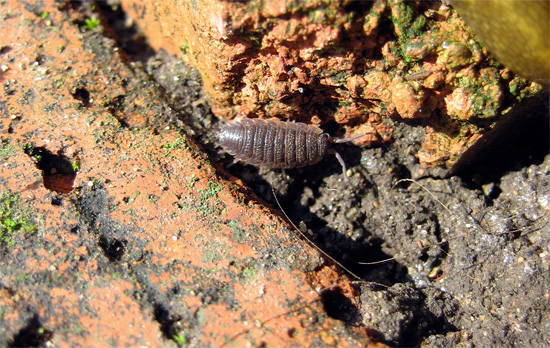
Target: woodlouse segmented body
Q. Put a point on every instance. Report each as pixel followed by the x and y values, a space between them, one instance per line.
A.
pixel 277 144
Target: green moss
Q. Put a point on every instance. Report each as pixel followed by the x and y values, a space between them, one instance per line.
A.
pixel 204 202
pixel 130 200
pixel 153 199
pixel 205 207
pixel 184 48
pixel 6 150
pixel 27 148
pixel 256 230
pixel 517 87
pixel 402 20
pixel 419 24
pixel 75 165
pixel 179 337
pixel 178 143
pixel 339 77
pixel 14 219
pixel 213 255
pixel 214 187
pixel 77 329
pixel 21 278
pixel 92 23
pixel 407 27
pixel 486 93
pixel 97 182
pixel 237 232
pixel 201 318
pixel 192 181
pixel 248 272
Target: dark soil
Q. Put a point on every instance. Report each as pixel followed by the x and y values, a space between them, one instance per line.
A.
pixel 444 260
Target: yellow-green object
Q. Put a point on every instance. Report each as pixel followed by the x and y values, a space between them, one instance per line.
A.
pixel 516 32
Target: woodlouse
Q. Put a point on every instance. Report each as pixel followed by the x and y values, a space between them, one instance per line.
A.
pixel 278 144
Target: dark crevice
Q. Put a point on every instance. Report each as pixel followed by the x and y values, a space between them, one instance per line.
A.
pixel 125 32
pixel 32 335
pixel 168 319
pixel 112 248
pixel 338 306
pixel 164 318
pixel 116 107
pixel 81 94
pixel 57 201
pixel 94 211
pixel 58 171
pixel 66 5
pixel 5 49
pixel 94 208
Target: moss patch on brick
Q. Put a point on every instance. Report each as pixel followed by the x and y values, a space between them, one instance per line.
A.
pixel 15 218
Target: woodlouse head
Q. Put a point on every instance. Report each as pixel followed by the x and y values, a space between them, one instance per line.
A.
pixel 229 134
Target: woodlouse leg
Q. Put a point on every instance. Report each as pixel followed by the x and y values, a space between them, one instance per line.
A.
pixel 342 163
pixel 263 170
pixel 338 157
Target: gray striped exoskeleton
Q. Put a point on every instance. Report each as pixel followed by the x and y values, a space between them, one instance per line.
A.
pixel 277 144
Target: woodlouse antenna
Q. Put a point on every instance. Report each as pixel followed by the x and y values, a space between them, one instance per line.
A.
pixel 310 242
pixel 347 140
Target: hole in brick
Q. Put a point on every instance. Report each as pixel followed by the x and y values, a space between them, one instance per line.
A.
pixel 169 325
pixel 291 332
pixel 113 248
pixel 83 95
pixel 5 49
pixel 58 172
pixel 32 335
pixel 57 201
